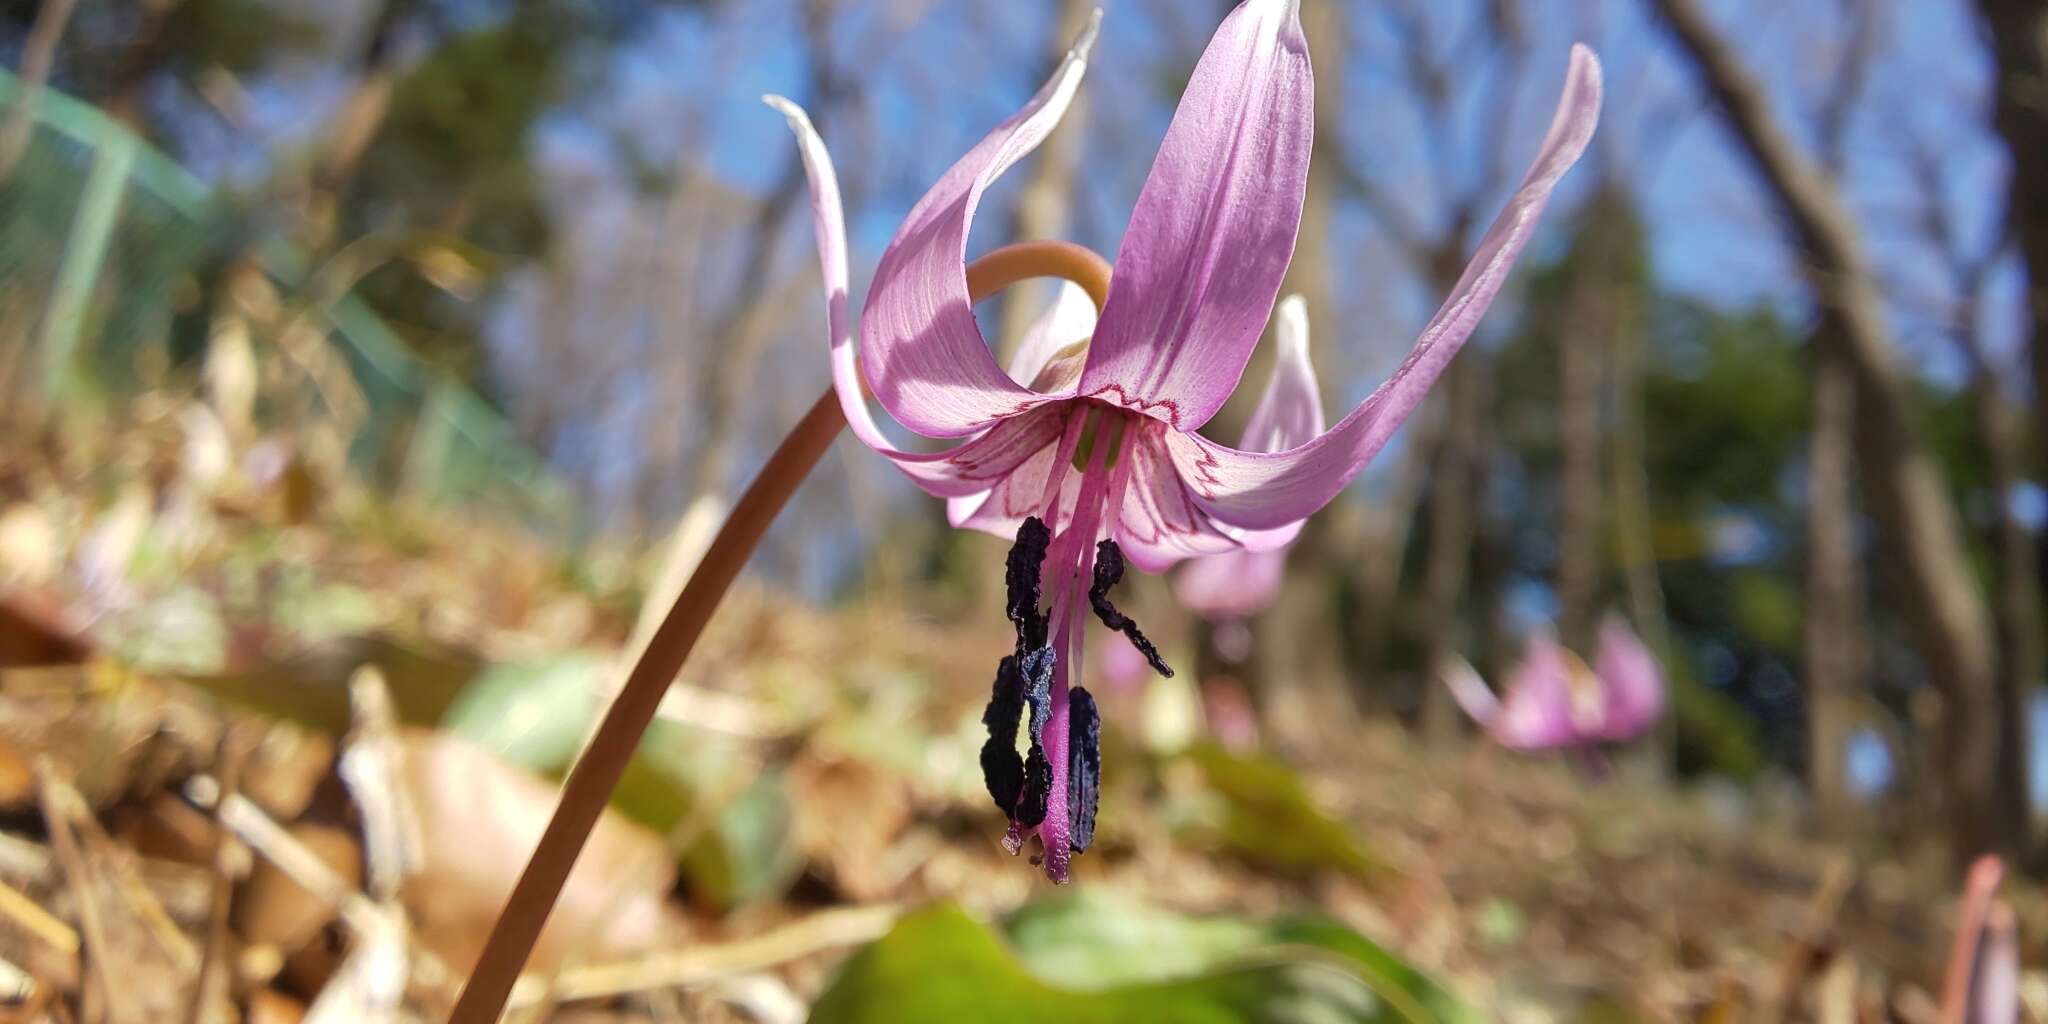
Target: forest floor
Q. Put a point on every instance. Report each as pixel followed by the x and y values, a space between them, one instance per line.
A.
pixel 370 696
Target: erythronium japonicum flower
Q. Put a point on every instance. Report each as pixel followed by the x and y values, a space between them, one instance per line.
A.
pixel 1554 701
pixel 1085 451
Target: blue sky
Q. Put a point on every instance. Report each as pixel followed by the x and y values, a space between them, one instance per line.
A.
pixel 935 75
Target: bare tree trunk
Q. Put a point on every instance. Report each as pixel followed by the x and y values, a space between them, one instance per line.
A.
pixel 1045 203
pixel 1617 267
pixel 1588 320
pixel 738 338
pixel 1450 440
pixel 1922 540
pixel 2000 429
pixel 1302 686
pixel 1453 526
pixel 2019 40
pixel 1835 636
pixel 37 54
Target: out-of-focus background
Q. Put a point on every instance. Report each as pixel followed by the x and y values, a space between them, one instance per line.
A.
pixel 372 372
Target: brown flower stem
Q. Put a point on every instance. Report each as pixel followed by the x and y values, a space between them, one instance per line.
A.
pixel 1013 263
pixel 596 773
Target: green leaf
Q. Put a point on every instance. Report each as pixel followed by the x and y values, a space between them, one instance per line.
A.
pixel 749 853
pixel 533 714
pixel 1095 938
pixel 1265 815
pixel 536 714
pixel 940 965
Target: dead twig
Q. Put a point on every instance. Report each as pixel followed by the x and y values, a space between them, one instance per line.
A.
pixel 829 929
pixel 128 881
pixel 38 922
pixel 97 998
pixel 209 988
pixel 372 768
pixel 271 841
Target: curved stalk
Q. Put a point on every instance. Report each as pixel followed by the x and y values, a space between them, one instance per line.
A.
pixel 596 773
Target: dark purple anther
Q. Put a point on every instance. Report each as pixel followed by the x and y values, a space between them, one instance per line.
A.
pixel 1109 571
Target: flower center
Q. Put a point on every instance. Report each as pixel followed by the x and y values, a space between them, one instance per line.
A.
pixel 1064 564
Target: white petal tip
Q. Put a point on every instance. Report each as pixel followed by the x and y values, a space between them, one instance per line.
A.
pixel 1585 68
pixel 1293 329
pixel 787 108
pixel 1085 42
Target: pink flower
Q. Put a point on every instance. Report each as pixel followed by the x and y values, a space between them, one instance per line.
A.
pixel 1236 585
pixel 1553 701
pixel 1982 986
pixel 1091 456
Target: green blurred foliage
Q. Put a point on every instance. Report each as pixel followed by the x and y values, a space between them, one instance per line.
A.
pixel 1121 962
pixel 731 834
pixel 1257 808
pixel 117 53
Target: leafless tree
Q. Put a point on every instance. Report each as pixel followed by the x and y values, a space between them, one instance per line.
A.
pixel 1836 632
pixel 1918 530
pixel 2018 31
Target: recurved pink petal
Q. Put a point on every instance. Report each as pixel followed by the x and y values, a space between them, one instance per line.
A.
pixel 1239 584
pixel 920 347
pixel 1291 411
pixel 969 468
pixel 1232 585
pixel 1982 982
pixel 1214 227
pixel 1058 335
pixel 1995 987
pixel 1470 691
pixel 1254 490
pixel 1630 680
pixel 1538 712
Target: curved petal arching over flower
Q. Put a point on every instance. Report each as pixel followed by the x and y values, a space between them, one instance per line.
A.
pixel 968 468
pixel 919 345
pixel 1260 491
pixel 1214 227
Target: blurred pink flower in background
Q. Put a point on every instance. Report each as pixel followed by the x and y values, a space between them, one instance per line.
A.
pixel 1123 667
pixel 1553 701
pixel 1983 981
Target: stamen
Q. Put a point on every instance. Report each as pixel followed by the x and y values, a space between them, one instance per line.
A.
pixel 1109 571
pixel 1084 768
pixel 1020 786
pixel 1031 801
pixel 1001 769
pixel 1021 577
